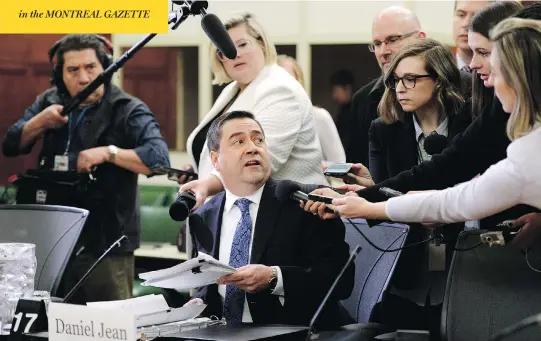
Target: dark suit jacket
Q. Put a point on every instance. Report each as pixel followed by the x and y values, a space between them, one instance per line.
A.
pixel 364 109
pixel 393 147
pixel 482 144
pixel 309 251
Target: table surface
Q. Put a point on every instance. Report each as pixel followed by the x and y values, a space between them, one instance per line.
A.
pixel 160 250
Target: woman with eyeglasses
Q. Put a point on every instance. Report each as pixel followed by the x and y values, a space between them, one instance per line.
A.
pixel 258 85
pixel 422 98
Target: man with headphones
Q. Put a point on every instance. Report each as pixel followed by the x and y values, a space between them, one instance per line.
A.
pixel 112 135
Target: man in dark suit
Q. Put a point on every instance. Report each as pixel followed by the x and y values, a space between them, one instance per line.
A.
pixel 393 28
pixel 286 258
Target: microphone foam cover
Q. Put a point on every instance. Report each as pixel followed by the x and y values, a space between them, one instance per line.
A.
pixel 435 143
pixel 285 188
pixel 217 33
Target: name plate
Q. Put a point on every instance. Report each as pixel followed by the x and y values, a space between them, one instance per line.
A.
pixel 82 323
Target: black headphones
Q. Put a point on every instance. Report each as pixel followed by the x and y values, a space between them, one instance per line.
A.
pixel 56 75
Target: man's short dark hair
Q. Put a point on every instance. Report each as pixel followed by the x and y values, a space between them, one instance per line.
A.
pixel 78 42
pixel 215 131
pixel 343 78
pixel 530 12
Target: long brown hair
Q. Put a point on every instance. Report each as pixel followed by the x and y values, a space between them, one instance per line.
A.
pixel 440 65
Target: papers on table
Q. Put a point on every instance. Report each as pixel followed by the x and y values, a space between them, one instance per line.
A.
pixel 194 273
pixel 152 310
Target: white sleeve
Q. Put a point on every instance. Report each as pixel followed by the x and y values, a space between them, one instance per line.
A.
pixel 331 145
pixel 499 188
pixel 281 112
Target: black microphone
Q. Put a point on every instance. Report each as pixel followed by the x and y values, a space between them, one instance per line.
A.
pixel 197 6
pixel 200 234
pixel 180 209
pixel 435 143
pixel 70 294
pixel 287 189
pixel 352 256
pixel 217 33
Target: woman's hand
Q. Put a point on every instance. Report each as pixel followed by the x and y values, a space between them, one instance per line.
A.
pixel 319 208
pixel 352 206
pixel 359 175
pixel 200 189
pixel 183 179
pixel 530 232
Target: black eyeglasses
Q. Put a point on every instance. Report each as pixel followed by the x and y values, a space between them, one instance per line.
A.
pixel 376 44
pixel 408 81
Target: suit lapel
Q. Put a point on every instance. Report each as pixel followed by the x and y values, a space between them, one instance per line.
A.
pixel 267 214
pixel 409 143
pixel 215 223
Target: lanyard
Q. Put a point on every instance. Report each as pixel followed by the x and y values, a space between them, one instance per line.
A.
pixel 70 131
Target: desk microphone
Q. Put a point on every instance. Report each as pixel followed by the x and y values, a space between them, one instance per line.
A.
pixel 70 294
pixel 352 256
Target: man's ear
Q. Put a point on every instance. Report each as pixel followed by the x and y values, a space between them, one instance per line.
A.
pixel 214 159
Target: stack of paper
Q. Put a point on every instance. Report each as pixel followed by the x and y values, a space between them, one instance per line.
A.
pixel 151 310
pixel 194 273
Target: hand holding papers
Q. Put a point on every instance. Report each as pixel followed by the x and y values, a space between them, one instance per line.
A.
pixel 195 273
pixel 151 310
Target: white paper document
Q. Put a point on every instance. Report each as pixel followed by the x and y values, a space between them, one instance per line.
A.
pixel 194 273
pixel 151 310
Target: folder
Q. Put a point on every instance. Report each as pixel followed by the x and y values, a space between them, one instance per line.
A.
pixel 194 273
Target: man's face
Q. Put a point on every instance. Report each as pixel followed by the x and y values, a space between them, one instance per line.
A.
pixel 79 70
pixel 243 159
pixel 341 94
pixel 464 10
pixel 388 37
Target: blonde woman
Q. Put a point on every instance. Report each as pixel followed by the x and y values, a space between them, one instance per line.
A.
pixel 258 85
pixel 514 180
pixel 331 146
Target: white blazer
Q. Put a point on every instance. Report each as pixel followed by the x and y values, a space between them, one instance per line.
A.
pixel 331 145
pixel 283 109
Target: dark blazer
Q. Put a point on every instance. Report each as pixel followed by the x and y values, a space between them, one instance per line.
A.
pixel 482 144
pixel 309 251
pixel 393 147
pixel 364 109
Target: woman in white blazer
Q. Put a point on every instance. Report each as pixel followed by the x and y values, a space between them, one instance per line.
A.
pixel 279 103
pixel 514 180
pixel 329 139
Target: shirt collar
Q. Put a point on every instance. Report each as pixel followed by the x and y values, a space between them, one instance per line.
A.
pixel 231 198
pixel 459 62
pixel 442 129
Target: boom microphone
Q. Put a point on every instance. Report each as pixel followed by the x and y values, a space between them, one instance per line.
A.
pixel 217 33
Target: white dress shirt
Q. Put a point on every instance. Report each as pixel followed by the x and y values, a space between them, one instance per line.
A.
pixel 512 181
pixel 230 220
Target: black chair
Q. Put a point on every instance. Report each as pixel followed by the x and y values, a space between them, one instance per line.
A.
pixel 373 270
pixel 489 288
pixel 53 229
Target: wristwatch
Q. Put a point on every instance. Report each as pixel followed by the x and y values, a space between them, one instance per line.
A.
pixel 274 279
pixel 113 151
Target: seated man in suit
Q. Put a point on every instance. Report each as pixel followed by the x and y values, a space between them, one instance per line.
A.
pixel 286 258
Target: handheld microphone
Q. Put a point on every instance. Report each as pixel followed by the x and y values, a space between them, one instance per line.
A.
pixel 287 189
pixel 217 33
pixel 180 209
pixel 70 294
pixel 435 143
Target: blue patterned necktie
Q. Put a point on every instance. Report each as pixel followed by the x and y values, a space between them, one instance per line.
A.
pixel 240 251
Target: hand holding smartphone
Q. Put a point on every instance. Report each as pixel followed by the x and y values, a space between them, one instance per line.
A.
pixel 174 174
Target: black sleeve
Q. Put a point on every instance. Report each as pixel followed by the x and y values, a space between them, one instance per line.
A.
pixel 377 154
pixel 482 144
pixel 12 140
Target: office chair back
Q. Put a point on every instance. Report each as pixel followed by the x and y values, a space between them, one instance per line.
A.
pixel 373 268
pixel 488 289
pixel 53 229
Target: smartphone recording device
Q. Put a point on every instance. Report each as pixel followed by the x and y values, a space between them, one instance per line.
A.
pixel 338 170
pixel 320 198
pixel 174 174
